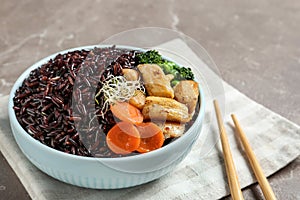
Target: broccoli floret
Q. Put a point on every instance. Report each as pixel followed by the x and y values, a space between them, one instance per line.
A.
pixel 180 73
pixel 151 56
pixel 169 67
pixel 186 73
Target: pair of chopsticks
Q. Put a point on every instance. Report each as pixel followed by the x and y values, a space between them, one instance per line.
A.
pixel 234 185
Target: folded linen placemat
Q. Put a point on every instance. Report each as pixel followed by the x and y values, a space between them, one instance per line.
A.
pixel 274 139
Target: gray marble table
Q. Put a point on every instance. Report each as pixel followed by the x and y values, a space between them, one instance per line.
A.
pixel 255 44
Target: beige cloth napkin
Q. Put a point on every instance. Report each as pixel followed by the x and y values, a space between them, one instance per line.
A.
pixel 274 139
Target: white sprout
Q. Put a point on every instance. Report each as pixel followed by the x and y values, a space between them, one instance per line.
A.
pixel 117 89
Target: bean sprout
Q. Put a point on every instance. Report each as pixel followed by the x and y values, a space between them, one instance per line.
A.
pixel 117 89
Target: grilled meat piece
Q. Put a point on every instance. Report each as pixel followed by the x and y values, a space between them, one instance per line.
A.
pixel 166 109
pixel 155 80
pixel 187 92
pixel 172 129
pixel 138 100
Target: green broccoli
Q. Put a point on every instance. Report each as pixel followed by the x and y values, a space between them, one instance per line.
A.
pixel 151 56
pixel 169 67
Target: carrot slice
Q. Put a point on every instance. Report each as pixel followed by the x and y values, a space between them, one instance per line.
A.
pixel 126 112
pixel 152 137
pixel 123 138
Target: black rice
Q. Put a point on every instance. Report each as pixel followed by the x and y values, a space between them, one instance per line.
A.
pixel 44 103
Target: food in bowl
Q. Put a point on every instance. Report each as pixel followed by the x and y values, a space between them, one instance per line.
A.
pixel 84 161
pixel 107 102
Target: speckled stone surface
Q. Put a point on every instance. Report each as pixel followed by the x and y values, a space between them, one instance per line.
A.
pixel 255 45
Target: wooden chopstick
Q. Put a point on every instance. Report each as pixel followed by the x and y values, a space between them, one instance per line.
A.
pixel 261 178
pixel 233 181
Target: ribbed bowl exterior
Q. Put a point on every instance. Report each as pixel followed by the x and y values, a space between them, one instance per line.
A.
pixel 87 174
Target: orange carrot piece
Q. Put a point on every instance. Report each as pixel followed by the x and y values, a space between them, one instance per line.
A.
pixel 123 138
pixel 152 137
pixel 126 112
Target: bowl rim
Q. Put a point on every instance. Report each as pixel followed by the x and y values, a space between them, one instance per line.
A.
pixel 154 153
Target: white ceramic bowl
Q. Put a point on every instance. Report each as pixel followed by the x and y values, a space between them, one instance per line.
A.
pixel 102 173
